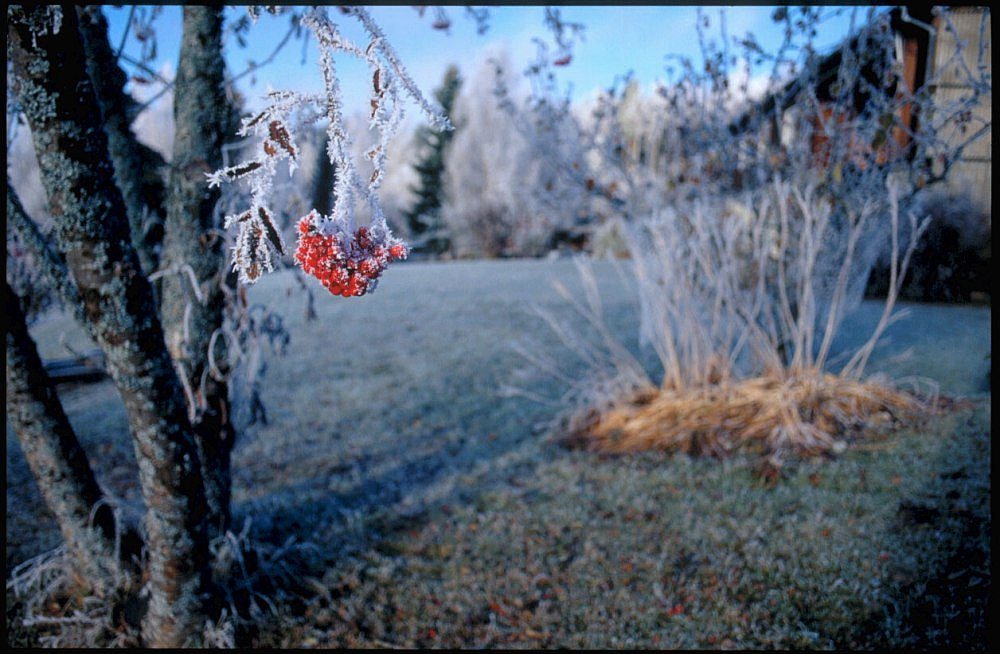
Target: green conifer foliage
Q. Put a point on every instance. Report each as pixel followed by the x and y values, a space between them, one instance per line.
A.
pixel 424 217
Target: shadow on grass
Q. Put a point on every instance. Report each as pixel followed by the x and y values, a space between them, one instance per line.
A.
pixel 938 594
pixel 369 517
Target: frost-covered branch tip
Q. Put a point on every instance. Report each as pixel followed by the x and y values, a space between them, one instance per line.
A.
pixel 347 258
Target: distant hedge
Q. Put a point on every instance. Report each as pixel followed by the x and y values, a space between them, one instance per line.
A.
pixel 952 262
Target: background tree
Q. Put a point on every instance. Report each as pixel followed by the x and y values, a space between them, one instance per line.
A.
pixel 502 198
pixel 424 218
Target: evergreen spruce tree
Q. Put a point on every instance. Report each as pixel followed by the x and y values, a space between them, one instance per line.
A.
pixel 424 218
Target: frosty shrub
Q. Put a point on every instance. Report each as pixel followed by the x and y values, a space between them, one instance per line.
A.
pixel 952 263
pixel 765 284
pixel 501 197
pixel 753 219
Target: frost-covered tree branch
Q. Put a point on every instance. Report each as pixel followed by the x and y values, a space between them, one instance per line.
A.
pixel 346 257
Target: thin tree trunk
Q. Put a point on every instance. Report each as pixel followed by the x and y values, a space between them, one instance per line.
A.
pixel 201 111
pixel 92 232
pixel 48 260
pixel 202 114
pixel 56 458
pixel 109 82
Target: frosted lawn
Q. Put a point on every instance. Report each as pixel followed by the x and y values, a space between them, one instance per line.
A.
pixel 445 516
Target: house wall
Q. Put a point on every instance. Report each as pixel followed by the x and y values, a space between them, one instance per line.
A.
pixel 971 176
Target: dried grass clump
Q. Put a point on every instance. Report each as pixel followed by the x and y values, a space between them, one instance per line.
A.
pixel 56 607
pixel 808 414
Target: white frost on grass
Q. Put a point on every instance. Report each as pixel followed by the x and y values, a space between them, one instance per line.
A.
pixel 405 410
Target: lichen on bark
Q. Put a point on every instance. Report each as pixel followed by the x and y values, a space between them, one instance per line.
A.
pixel 191 243
pixel 117 112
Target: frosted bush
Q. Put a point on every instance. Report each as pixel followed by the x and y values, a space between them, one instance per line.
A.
pixel 752 229
pixel 732 289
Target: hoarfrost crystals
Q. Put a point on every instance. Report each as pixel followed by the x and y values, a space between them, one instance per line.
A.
pixel 51 23
pixel 364 251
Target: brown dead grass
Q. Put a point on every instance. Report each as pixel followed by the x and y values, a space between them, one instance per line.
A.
pixel 804 415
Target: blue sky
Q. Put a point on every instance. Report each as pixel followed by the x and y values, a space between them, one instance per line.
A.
pixel 616 39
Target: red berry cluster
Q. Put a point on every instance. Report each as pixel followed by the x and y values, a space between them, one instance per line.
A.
pixel 344 269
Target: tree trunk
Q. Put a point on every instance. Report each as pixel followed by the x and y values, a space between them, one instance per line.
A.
pixel 92 233
pixel 56 459
pixel 48 260
pixel 109 82
pixel 201 113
